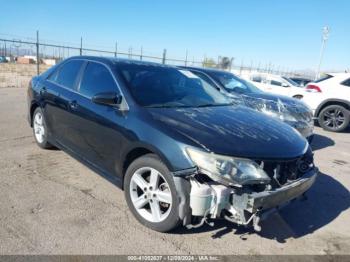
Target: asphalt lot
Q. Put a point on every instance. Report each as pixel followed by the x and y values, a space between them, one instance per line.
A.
pixel 52 204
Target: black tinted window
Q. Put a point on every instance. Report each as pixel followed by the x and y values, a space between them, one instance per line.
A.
pixel 204 77
pixel 97 79
pixel 256 79
pixel 323 78
pixel 346 82
pixel 275 83
pixel 233 83
pixel 68 73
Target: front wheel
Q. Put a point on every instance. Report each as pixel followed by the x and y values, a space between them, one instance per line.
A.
pixel 151 194
pixel 334 118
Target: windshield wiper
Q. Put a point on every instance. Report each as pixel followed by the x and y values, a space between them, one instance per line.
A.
pixel 211 105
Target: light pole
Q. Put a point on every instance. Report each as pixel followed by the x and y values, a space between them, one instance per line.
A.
pixel 325 35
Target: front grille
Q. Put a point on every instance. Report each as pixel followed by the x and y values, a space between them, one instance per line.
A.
pixel 284 171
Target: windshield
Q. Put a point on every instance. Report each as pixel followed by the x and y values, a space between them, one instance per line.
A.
pixel 234 84
pixel 290 81
pixel 160 86
pixel 323 78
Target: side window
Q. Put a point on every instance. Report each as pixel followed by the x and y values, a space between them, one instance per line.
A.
pixel 257 79
pixel 68 73
pixel 96 79
pixel 204 77
pixel 275 83
pixel 53 76
pixel 346 82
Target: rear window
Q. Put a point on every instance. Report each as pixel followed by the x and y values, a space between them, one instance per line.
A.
pixel 346 82
pixel 68 73
pixel 323 78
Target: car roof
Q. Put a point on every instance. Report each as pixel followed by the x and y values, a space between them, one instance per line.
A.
pixel 116 61
pixel 204 69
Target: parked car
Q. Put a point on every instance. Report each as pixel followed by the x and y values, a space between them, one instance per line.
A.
pixel 329 99
pixel 276 84
pixel 289 110
pixel 177 146
pixel 3 59
pixel 301 81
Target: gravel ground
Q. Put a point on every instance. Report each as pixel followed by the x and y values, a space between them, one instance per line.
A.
pixel 52 204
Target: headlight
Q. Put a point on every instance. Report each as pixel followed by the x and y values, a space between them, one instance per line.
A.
pixel 284 115
pixel 228 170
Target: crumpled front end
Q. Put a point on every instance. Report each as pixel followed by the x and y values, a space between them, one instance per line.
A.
pixel 293 112
pixel 247 204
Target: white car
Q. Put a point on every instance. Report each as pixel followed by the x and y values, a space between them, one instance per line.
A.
pixel 276 84
pixel 329 99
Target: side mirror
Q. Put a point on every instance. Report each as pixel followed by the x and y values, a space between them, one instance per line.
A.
pixel 285 85
pixel 109 99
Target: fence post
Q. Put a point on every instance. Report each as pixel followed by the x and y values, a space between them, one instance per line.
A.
pixel 240 69
pixel 231 63
pixel 186 57
pixel 116 49
pixel 81 46
pixel 37 53
pixel 141 53
pixel 164 56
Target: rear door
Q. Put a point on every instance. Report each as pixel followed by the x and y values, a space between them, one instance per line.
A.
pixel 60 109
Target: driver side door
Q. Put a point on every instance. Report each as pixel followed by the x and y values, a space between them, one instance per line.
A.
pixel 99 126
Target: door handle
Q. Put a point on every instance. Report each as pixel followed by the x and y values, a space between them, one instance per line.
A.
pixel 73 104
pixel 42 90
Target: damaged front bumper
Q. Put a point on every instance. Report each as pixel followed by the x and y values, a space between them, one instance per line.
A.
pixel 253 202
pixel 238 205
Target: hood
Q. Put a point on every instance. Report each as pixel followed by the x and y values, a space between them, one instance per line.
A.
pixel 232 131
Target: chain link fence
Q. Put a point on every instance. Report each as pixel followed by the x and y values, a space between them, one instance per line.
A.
pixel 26 58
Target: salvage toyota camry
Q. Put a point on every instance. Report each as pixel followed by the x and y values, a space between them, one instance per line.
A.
pixel 182 152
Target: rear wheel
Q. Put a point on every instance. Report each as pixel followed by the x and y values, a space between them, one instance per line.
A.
pixel 334 118
pixel 40 129
pixel 150 193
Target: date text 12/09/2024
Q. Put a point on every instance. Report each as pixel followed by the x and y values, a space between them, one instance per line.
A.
pixel 174 258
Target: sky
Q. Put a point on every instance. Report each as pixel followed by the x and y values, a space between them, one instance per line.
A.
pixel 284 33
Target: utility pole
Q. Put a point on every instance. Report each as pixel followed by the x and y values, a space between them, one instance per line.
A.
pixel 325 35
pixel 164 57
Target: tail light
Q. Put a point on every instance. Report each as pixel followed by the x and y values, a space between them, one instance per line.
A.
pixel 313 88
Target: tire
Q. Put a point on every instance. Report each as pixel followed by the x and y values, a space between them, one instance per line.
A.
pixel 167 216
pixel 40 129
pixel 334 118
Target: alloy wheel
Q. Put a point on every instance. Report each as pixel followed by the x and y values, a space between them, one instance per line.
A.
pixel 150 194
pixel 333 118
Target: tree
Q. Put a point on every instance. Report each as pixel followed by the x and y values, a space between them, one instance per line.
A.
pixel 208 62
pixel 225 62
